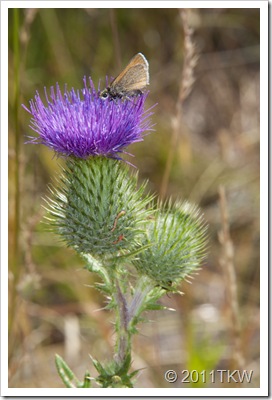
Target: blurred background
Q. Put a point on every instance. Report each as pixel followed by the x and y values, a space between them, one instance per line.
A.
pixel 204 77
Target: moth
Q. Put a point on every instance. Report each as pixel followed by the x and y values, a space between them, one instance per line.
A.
pixel 131 81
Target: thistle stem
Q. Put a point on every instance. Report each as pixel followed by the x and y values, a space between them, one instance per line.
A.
pixel 142 289
pixel 124 337
pixel 127 312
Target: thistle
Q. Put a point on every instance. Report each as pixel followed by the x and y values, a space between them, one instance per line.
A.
pixel 80 124
pixel 98 209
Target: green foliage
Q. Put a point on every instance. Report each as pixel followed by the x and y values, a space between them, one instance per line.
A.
pixel 114 375
pixel 68 377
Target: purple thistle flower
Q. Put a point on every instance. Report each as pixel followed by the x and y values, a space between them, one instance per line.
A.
pixel 81 124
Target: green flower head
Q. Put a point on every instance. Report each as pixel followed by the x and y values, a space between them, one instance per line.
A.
pixel 176 241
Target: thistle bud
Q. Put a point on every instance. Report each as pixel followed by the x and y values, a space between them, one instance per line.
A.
pixel 175 245
pixel 98 208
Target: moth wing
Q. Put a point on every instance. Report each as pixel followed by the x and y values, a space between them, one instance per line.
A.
pixel 134 76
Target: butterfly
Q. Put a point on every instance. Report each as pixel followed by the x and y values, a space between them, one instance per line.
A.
pixel 131 81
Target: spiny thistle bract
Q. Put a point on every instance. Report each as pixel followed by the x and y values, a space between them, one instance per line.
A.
pixel 176 240
pixel 98 208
